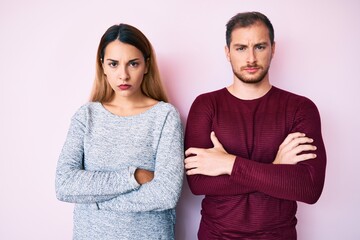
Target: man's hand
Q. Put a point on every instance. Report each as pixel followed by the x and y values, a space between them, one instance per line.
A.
pixel 290 150
pixel 143 176
pixel 211 162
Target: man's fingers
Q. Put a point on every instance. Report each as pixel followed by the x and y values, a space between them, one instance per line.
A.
pixel 215 140
pixel 304 157
pixel 294 143
pixel 217 144
pixel 190 165
pixel 192 151
pixel 303 140
pixel 291 137
pixel 305 147
pixel 192 171
pixel 190 159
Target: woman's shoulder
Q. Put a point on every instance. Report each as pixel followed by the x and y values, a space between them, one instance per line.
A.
pixel 89 108
pixel 165 109
pixel 166 106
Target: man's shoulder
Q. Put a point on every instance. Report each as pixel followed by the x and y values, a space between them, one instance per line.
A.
pixel 212 94
pixel 209 100
pixel 291 97
pixel 285 93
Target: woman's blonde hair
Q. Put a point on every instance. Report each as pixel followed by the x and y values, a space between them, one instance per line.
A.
pixel 151 85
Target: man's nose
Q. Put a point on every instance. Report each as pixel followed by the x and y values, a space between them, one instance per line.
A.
pixel 251 58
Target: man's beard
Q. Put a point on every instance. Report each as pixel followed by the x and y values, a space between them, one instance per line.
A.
pixel 251 80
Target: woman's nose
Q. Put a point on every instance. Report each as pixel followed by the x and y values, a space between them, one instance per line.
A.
pixel 123 73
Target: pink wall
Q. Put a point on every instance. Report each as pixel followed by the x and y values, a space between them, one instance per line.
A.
pixel 47 67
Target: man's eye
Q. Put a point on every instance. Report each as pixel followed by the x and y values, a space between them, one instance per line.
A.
pixel 240 49
pixel 260 47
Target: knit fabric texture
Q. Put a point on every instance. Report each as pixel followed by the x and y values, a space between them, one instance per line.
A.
pixel 96 169
pixel 258 199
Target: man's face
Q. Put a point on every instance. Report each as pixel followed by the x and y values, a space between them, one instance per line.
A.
pixel 250 53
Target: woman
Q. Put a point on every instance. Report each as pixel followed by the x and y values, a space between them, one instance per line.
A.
pixel 122 159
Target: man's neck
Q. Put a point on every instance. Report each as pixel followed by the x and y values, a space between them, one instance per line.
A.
pixel 249 91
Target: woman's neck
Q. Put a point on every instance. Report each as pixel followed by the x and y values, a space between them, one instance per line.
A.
pixel 125 106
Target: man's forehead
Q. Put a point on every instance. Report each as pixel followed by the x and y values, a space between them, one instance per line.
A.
pixel 254 34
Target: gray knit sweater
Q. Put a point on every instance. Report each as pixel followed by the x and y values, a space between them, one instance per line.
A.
pixel 96 166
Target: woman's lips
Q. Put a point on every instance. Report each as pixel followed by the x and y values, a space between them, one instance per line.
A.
pixel 124 86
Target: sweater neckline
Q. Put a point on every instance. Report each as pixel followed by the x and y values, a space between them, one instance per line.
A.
pixel 149 110
pixel 250 100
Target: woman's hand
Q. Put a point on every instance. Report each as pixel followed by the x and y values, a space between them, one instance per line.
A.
pixel 143 176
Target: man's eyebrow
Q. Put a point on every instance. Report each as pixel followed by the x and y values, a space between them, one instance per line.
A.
pixel 239 45
pixel 245 45
pixel 262 43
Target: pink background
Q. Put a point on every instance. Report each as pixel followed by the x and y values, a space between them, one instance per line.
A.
pixel 47 67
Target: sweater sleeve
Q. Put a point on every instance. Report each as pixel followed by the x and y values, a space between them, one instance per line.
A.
pixel 301 182
pixel 197 134
pixel 75 184
pixel 164 190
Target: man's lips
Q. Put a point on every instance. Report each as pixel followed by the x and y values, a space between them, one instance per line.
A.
pixel 251 69
pixel 124 86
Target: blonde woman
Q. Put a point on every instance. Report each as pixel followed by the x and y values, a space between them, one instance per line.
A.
pixel 122 161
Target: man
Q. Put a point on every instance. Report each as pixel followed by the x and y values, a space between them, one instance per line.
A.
pixel 253 149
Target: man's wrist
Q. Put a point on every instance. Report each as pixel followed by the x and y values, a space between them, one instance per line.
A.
pixel 230 163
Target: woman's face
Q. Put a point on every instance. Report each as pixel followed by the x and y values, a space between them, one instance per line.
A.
pixel 124 66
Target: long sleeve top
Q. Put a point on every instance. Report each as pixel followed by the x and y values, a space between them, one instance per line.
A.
pixel 96 171
pixel 258 199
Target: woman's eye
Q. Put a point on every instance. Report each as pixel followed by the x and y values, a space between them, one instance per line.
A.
pixel 112 64
pixel 134 64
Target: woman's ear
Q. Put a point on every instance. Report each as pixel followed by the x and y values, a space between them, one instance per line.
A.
pixel 147 65
pixel 102 65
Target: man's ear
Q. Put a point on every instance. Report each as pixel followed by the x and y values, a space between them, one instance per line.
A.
pixel 273 50
pixel 227 52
